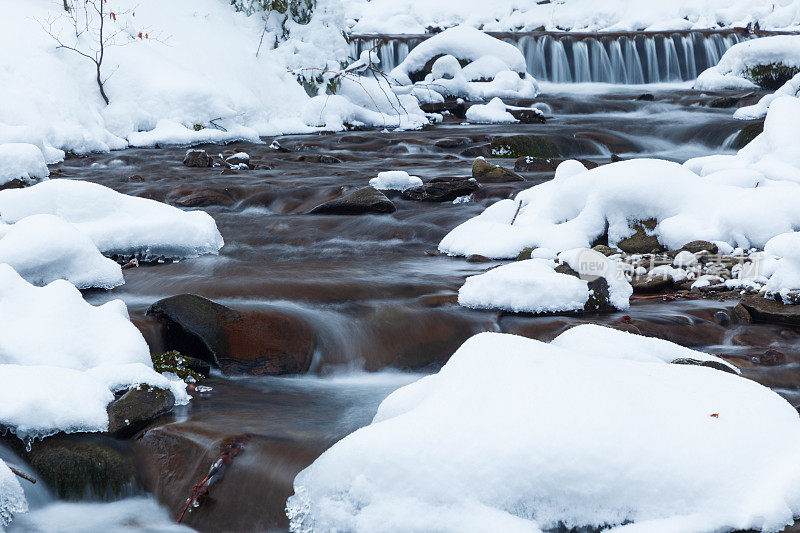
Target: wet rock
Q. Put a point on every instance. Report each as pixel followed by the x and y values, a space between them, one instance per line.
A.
pixel 723 318
pixel 771 357
pixel 475 258
pixel 771 76
pixel 318 158
pixel 483 150
pixel 741 315
pixel 747 134
pixel 724 102
pixel 197 158
pixel 486 172
pixel 441 191
pixel 524 145
pixel 135 409
pixel 605 250
pixel 709 364
pixel 443 299
pixel 700 246
pixel 640 242
pixel 240 158
pixel 527 116
pixel 765 310
pixel 526 253
pixel 646 97
pixel 358 202
pixel 451 142
pixel 598 297
pixel 192 196
pixel 185 367
pixel 455 107
pixel 73 466
pixel 647 285
pixel 545 164
pixel 262 343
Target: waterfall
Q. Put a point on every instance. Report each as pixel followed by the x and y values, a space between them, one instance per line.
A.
pixel 631 58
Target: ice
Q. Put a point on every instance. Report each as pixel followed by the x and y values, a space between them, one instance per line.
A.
pixel 115 222
pixel 44 248
pixel 21 161
pixel 730 72
pixel 12 498
pixel 517 435
pixel 395 180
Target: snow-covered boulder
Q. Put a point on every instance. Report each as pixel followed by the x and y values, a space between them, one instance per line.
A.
pixel 491 67
pixel 12 498
pixel 44 248
pixel 62 359
pixel 514 434
pixel 784 276
pixel 767 62
pixel 394 180
pixel 760 108
pixel 117 223
pixel 492 113
pixel 21 164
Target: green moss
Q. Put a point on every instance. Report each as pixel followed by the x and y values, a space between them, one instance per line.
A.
pixel 525 253
pixel 771 76
pixel 524 145
pixel 747 134
pixel 198 127
pixel 176 363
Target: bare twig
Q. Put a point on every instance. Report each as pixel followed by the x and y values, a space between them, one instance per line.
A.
pixel 23 475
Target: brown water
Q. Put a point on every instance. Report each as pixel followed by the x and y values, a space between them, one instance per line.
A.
pixel 373 287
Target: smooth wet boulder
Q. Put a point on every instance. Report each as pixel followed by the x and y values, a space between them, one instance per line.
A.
pixel 197 158
pixel 524 145
pixel 189 369
pixel 319 158
pixel 527 116
pixel 262 343
pixel 650 285
pixel 486 172
pixel 358 202
pixel 76 465
pixel 641 242
pixel 193 196
pixel 445 190
pixel 700 246
pixel 546 164
pixel 452 142
pixel 747 134
pixel 135 409
pixel 767 310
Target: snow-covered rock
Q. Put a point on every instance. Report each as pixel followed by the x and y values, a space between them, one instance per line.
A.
pixel 517 435
pixel 23 162
pixel 760 108
pixel 394 180
pixel 732 70
pixel 12 498
pixel 61 359
pixel 786 274
pixel 115 222
pixel 492 112
pixel 44 248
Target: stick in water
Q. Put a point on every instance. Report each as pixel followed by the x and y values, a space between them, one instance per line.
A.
pixel 23 475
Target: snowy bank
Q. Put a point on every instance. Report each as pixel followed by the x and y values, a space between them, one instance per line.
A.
pixel 62 359
pixel 115 222
pixel 760 108
pixel 517 435
pixel 748 64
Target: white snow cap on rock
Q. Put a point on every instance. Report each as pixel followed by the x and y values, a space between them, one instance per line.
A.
pixel 759 109
pixel 492 113
pixel 395 180
pixel 12 497
pixel 514 434
pixel 116 223
pixel 44 248
pixel 21 161
pixel 61 359
pixel 730 72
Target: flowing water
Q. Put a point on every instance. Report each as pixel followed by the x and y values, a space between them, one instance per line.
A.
pixel 380 299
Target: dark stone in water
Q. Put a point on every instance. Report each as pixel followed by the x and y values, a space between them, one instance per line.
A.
pixel 524 145
pixel 265 342
pixel 765 310
pixel 318 158
pixel 135 409
pixel 545 164
pixel 197 158
pixel 455 108
pixel 528 116
pixel 451 142
pixel 192 196
pixel 646 97
pixel 441 191
pixel 747 134
pixel 647 285
pixel 477 151
pixel 724 102
pixel 488 173
pixel 358 202
pixel 771 357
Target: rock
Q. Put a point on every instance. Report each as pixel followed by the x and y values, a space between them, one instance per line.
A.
pixel 747 134
pixel 475 258
pixel 486 172
pixel 358 202
pixel 526 253
pixel 722 318
pixel 524 145
pixel 318 158
pixel 771 76
pixel 483 150
pixel 451 142
pixel 456 108
pixel 239 158
pixel 598 297
pixel 197 158
pixel 723 102
pixel 709 364
pixel 74 465
pixel 545 164
pixel 527 116
pixel 700 246
pixel 741 315
pixel 135 409
pixel 262 343
pixel 187 368
pixel 441 191
pixel 640 242
pixel 646 97
pixel 192 196
pixel 771 357
pixel 765 310
pixel 647 285
pixel 605 250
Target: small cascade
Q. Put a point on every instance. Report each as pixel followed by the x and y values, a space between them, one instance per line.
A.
pixel 624 58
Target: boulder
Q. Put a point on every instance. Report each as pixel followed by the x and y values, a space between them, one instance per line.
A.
pixel 486 172
pixel 747 134
pixel 545 164
pixel 452 142
pixel 765 310
pixel 135 409
pixel 527 116
pixel 239 158
pixel 605 250
pixel 482 150
pixel 442 191
pixel 192 196
pixel 771 76
pixel 318 158
pixel 524 145
pixel 640 242
pixel 358 202
pixel 262 343
pixel 197 158
pixel 700 246
pixel 647 285
pixel 187 368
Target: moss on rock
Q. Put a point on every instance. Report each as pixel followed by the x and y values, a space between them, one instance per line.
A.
pixel 524 145
pixel 771 76
pixel 187 368
pixel 747 134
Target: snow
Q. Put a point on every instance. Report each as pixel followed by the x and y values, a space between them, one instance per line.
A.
pixel 759 109
pixel 591 264
pixel 715 198
pixel 12 498
pixel 588 430
pixel 415 16
pixel 394 180
pixel 730 72
pixel 61 359
pixel 684 259
pixel 22 161
pixel 115 222
pixel 493 112
pixel 786 275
